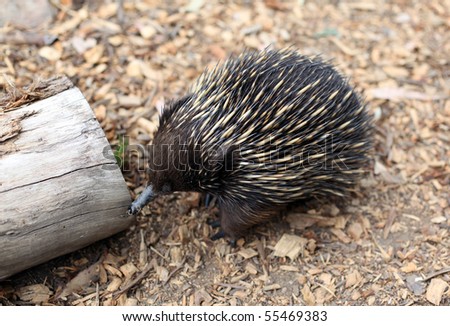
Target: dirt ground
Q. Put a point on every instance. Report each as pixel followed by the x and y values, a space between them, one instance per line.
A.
pixel 389 245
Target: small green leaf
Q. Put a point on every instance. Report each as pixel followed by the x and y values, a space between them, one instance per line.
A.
pixel 119 153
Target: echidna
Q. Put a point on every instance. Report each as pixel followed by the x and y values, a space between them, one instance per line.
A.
pixel 259 132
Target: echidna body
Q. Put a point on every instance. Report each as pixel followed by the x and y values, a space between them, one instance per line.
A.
pixel 259 132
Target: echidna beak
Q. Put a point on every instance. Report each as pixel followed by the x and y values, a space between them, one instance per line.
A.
pixel 145 197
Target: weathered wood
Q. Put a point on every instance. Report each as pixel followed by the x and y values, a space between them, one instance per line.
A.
pixel 60 187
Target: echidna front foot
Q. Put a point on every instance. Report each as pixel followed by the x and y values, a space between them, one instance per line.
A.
pixel 221 234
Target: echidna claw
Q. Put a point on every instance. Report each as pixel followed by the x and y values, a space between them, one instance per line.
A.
pixel 132 210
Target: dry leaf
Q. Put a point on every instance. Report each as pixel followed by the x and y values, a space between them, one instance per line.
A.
pixel 390 93
pixel 82 280
pixel 50 53
pixel 103 276
pixel 128 270
pixel 115 284
pixel 147 31
pixel 355 230
pixel 324 293
pixel 251 269
pixel 147 125
pixel 308 296
pixel 397 72
pixel 302 221
pixel 194 198
pixel 108 10
pixel 314 271
pixel 100 113
pixel 94 54
pixel 37 293
pixel 112 270
pixel 289 268
pixel 247 253
pixel 102 91
pixel 338 222
pixel 379 168
pixel 202 298
pixel 330 210
pixel 272 287
pixel 134 68
pixel 115 40
pixel 438 219
pixel 163 273
pixel 409 267
pixel 326 278
pixel 435 291
pixel 129 101
pixel 290 246
pixel 353 278
pixel 72 23
pixel 340 235
pixel 131 302
pixel 240 294
pixel 301 279
pixel 105 26
pixel 176 255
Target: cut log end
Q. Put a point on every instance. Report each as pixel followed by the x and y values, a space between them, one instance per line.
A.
pixel 60 186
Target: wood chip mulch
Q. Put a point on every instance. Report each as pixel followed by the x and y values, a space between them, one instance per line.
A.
pixel 390 245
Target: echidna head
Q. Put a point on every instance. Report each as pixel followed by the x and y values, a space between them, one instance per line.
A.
pixel 166 172
pixel 171 161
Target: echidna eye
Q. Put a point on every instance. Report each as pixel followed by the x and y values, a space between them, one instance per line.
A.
pixel 167 187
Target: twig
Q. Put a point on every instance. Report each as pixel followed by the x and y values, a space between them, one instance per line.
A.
pixel 175 271
pixel 144 272
pixel 432 275
pixel 390 221
pixel 232 286
pixel 158 253
pixel 84 299
pixel 64 9
pixel 326 289
pixel 97 295
pixel 384 254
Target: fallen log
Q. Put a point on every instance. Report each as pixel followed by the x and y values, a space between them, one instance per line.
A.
pixel 60 186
